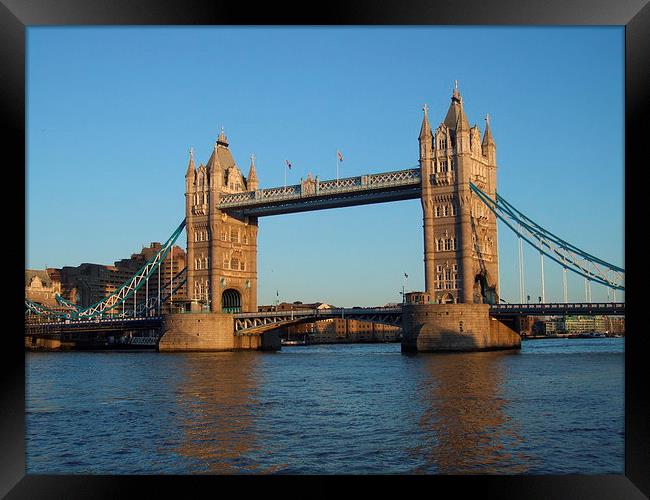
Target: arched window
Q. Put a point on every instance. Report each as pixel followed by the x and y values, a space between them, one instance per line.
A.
pixel 445 211
pixel 437 245
pixel 437 210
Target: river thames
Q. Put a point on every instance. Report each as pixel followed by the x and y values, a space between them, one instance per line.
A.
pixel 555 407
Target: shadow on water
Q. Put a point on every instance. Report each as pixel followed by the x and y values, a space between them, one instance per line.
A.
pixel 464 426
pixel 218 394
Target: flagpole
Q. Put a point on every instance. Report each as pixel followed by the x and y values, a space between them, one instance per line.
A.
pixel 337 168
pixel 285 175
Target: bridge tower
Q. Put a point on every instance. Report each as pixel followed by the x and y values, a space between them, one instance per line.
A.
pixel 461 266
pixel 221 249
pixel 460 234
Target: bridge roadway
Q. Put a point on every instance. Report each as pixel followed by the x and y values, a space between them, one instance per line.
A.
pixel 249 322
pixel 95 325
pixel 253 323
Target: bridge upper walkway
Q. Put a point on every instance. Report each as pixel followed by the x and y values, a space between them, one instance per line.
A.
pixel 317 195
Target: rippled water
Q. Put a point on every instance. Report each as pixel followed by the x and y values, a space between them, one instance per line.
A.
pixel 555 407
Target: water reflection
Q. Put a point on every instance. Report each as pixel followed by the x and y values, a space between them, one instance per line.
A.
pixel 218 396
pixel 464 426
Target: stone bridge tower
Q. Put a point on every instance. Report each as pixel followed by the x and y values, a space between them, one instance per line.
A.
pixel 221 249
pixel 460 243
pixel 460 233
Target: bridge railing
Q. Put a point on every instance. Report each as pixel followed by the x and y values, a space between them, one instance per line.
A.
pixel 321 312
pixel 560 305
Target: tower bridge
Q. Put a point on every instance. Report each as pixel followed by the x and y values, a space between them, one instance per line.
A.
pixel 460 308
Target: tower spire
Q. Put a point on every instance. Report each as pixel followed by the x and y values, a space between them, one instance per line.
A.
pixel 222 140
pixel 190 167
pixel 456 114
pixel 487 136
pixel 252 182
pixel 425 129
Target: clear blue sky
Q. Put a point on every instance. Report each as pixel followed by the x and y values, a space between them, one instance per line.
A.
pixel 112 113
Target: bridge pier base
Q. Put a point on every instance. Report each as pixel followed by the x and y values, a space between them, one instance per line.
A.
pixel 209 332
pixel 454 328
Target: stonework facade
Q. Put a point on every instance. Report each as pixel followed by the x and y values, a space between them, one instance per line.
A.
pixel 42 287
pixel 460 233
pixel 221 249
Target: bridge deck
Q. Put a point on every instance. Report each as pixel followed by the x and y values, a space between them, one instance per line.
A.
pixel 386 315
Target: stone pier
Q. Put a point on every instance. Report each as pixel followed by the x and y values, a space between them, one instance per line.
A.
pixel 454 328
pixel 210 332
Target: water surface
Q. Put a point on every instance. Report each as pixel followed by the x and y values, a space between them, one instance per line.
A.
pixel 555 407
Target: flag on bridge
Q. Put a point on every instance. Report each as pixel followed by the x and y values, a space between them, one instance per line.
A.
pixel 339 155
pixel 288 164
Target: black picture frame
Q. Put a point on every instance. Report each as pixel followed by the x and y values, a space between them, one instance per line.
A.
pixel 16 15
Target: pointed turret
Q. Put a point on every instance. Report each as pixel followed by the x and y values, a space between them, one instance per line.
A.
pixel 425 129
pixel 426 138
pixel 461 127
pixel 214 163
pixel 487 137
pixel 488 146
pixel 252 183
pixel 191 170
pixel 456 114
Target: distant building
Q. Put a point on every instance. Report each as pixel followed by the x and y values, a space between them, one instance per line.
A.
pixel 575 325
pixel 42 287
pixel 582 324
pixel 89 283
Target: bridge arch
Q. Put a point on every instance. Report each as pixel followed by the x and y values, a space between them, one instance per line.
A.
pixel 448 298
pixel 231 301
